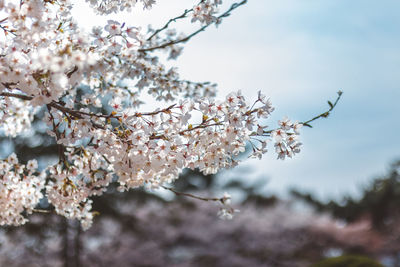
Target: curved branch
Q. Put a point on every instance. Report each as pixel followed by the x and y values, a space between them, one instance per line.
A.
pixel 192 196
pixel 187 38
pixel 326 113
pixel 307 123
pixel 183 15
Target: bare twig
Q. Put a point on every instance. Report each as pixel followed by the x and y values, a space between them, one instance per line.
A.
pixel 326 113
pixel 192 196
pixel 6 30
pixel 61 148
pixel 183 15
pixel 41 211
pixel 23 97
pixel 307 123
pixel 169 22
pixel 187 38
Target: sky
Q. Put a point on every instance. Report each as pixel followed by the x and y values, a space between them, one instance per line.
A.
pixel 300 53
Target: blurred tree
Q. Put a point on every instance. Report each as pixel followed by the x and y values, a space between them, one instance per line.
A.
pixel 379 201
pixel 372 221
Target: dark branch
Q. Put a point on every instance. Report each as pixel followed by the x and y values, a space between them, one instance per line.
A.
pixel 187 38
pixel 187 11
pixel 192 196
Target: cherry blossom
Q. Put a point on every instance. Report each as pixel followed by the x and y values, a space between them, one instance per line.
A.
pixel 89 86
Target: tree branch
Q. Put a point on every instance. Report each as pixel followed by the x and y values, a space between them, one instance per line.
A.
pixel 226 14
pixel 192 196
pixel 307 123
pixel 187 11
pixel 326 113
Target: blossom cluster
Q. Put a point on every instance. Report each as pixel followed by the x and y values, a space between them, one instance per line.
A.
pixel 20 189
pixel 286 138
pixel 15 115
pixel 89 87
pixel 206 11
pixel 104 7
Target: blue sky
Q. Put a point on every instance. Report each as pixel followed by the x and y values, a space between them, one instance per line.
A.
pixel 301 53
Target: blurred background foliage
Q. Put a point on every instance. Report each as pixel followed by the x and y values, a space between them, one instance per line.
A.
pixel 379 201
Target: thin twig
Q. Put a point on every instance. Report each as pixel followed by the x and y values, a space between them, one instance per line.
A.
pixel 4 28
pixel 61 148
pixel 307 123
pixel 169 22
pixel 183 15
pixel 227 13
pixel 23 97
pixel 191 195
pixel 326 113
pixel 41 211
